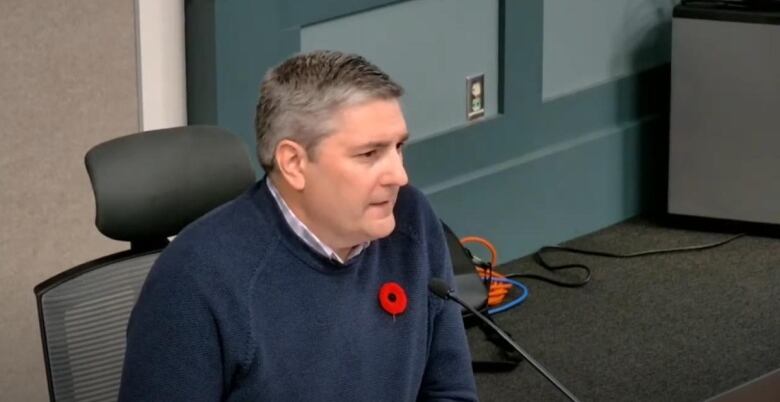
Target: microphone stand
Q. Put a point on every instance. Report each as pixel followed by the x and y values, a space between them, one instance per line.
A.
pixel 438 290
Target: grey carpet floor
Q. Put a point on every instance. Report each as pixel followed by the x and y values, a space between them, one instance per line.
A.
pixel 672 327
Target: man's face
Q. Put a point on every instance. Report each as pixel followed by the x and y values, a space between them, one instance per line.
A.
pixel 352 181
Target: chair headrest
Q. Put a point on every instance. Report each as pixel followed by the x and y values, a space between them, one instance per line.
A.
pixel 149 185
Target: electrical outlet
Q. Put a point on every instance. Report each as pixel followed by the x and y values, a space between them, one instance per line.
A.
pixel 475 95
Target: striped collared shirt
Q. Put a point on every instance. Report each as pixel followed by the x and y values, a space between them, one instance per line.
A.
pixel 305 234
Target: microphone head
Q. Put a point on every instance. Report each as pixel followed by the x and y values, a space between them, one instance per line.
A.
pixel 440 288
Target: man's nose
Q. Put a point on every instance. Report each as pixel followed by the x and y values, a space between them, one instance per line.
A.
pixel 396 173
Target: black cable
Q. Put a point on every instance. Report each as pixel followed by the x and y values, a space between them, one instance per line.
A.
pixel 538 258
pixel 552 268
pixel 486 265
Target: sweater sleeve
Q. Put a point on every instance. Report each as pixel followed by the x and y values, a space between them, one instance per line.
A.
pixel 448 373
pixel 173 349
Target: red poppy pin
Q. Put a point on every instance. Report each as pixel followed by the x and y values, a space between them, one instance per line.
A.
pixel 392 298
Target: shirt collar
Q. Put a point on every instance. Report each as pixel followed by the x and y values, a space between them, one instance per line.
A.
pixel 307 235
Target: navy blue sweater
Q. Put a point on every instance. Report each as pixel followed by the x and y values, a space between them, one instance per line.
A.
pixel 238 308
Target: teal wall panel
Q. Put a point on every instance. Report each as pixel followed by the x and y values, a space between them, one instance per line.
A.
pixel 224 73
pixel 589 42
pixel 429 47
pixel 602 107
pixel 537 173
pixel 305 12
pixel 201 62
pixel 556 193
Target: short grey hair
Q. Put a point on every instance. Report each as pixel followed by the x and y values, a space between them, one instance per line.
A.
pixel 299 97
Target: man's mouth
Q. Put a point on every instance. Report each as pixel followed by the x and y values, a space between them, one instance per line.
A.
pixel 383 203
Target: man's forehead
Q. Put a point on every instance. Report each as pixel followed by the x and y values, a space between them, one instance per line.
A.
pixel 389 139
pixel 374 121
pixel 355 140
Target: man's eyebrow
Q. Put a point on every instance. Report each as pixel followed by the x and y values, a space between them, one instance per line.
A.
pixel 380 144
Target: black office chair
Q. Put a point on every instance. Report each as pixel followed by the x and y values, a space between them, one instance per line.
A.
pixel 147 187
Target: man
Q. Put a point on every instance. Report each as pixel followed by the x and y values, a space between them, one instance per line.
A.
pixel 311 286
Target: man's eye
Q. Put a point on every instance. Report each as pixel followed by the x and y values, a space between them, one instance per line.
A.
pixel 369 154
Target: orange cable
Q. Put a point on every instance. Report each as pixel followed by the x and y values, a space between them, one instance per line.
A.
pixel 498 290
pixel 485 243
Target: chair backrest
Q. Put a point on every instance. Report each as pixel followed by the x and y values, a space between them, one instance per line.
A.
pixel 147 187
pixel 83 315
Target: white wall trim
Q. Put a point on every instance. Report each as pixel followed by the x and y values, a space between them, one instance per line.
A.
pixel 162 80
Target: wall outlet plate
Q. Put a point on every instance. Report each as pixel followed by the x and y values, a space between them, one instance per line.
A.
pixel 475 95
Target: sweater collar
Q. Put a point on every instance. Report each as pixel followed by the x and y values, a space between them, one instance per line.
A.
pixel 304 233
pixel 264 200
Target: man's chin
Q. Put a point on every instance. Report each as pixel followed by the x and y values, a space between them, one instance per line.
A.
pixel 381 228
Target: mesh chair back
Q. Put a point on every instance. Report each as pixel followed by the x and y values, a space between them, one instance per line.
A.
pixel 147 187
pixel 83 315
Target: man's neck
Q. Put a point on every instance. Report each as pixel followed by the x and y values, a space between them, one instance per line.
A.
pixel 293 201
pixel 343 253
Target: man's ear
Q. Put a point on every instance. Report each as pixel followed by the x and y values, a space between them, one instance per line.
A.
pixel 291 160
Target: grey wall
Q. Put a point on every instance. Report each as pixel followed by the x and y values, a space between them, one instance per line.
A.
pixel 557 161
pixel 723 138
pixel 68 82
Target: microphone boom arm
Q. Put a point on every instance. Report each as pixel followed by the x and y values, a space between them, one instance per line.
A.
pixel 441 289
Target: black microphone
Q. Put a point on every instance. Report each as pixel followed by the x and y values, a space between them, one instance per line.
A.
pixel 441 289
